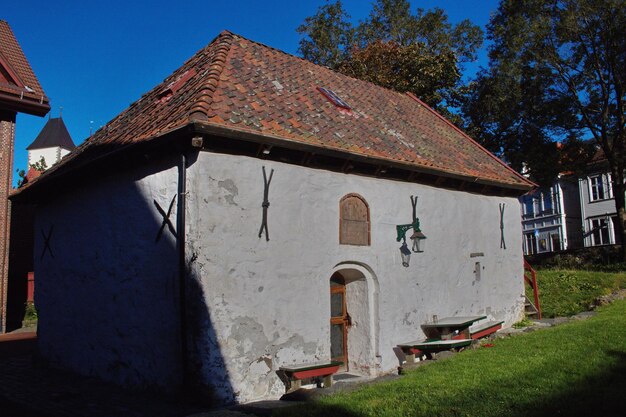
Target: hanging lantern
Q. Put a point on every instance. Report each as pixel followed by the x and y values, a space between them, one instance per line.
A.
pixel 417 238
pixel 419 241
pixel 405 255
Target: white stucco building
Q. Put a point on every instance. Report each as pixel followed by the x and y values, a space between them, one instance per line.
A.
pixel 162 261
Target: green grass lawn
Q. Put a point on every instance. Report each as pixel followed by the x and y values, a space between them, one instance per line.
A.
pixel 576 369
pixel 567 292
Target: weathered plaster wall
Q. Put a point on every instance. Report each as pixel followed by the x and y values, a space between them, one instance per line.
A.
pixel 106 290
pixel 268 303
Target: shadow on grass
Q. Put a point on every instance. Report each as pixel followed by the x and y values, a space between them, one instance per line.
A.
pixel 603 394
pixel 316 409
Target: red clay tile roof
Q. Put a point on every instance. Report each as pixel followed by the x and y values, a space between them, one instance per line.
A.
pixel 243 86
pixel 19 88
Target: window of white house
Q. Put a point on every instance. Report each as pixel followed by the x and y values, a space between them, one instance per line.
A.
pixel 528 206
pixel 600 232
pixel 531 244
pixel 543 244
pixel 617 239
pixel 600 187
pixel 556 242
pixel 548 206
pixel 537 205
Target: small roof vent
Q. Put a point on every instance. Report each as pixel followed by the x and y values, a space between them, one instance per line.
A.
pixel 334 98
pixel 167 93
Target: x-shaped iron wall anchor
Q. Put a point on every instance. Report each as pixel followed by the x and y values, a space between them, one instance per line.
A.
pixel 502 242
pixel 46 242
pixel 166 219
pixel 266 203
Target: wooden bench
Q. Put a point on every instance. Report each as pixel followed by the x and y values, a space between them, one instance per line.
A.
pixel 319 371
pixel 485 329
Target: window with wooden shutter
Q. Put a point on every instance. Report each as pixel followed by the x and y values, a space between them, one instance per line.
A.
pixel 354 222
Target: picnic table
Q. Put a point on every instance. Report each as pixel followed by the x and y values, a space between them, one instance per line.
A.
pixel 450 327
pixel 431 347
pixel 450 333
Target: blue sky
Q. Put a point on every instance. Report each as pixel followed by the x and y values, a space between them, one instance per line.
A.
pixel 94 58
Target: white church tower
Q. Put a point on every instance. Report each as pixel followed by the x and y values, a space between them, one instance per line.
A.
pixel 52 143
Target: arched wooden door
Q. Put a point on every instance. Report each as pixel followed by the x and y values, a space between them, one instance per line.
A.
pixel 339 320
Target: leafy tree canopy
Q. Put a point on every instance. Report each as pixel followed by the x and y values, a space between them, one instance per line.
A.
pixel 419 52
pixel 329 35
pixel 557 71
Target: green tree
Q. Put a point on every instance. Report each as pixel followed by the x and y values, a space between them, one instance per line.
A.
pixel 514 116
pixel 405 68
pixel 556 68
pixel 392 20
pixel 328 35
pixel 421 53
pixel 40 166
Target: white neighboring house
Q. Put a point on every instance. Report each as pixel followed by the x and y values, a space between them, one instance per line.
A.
pixel 551 217
pixel 599 217
pixel 52 143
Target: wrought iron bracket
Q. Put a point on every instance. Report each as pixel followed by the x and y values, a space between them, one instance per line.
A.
pixel 46 242
pixel 266 203
pixel 166 219
pixel 401 229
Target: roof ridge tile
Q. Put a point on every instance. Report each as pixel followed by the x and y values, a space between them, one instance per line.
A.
pixel 204 96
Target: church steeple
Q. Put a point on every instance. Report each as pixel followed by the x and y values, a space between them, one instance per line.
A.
pixel 52 143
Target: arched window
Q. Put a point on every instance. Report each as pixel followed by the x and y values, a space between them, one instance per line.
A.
pixel 354 221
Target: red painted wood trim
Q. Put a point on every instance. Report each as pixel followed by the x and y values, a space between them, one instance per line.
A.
pixel 12 73
pixel 329 370
pixel 30 292
pixel 533 283
pixel 415 351
pixel 486 332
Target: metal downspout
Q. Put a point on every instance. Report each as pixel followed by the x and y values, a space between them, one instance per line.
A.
pixel 182 267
